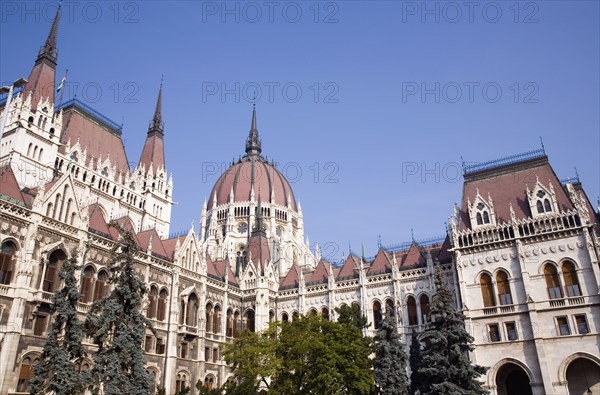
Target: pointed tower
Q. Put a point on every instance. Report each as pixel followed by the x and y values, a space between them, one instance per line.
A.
pixel 43 75
pixel 153 154
pixel 253 144
pixel 157 189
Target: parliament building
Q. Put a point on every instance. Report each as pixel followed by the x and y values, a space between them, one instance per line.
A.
pixel 521 252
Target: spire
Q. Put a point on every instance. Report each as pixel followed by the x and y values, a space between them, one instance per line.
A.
pixel 49 50
pixel 156 125
pixel 253 145
pixel 153 154
pixel 258 227
pixel 42 78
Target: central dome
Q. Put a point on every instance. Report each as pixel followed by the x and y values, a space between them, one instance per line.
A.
pixel 251 174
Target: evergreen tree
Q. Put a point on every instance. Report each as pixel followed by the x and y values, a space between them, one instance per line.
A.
pixel 351 315
pixel 446 367
pixel 390 359
pixel 117 326
pixel 58 369
pixel 416 362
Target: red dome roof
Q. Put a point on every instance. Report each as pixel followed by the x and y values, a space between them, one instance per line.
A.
pixel 253 171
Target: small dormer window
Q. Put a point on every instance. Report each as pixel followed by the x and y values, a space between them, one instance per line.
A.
pixel 542 200
pixel 482 216
pixel 481 211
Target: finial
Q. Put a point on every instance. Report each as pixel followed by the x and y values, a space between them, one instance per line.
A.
pixel 543 148
pixel 378 242
pixel 412 235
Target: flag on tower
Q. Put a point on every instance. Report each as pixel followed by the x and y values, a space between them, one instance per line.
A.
pixel 62 82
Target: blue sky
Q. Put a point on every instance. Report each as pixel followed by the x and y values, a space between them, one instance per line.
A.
pixel 367 106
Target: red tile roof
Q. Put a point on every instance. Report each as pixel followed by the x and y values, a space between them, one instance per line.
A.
pixel 41 83
pixel 98 222
pixel 381 264
pixel 291 279
pixel 8 184
pixel 321 273
pixel 99 140
pixel 170 244
pixel 153 152
pixel 506 185
pixel 349 269
pixel 157 245
pixel 411 257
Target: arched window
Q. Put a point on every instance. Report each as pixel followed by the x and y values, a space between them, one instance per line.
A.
pixel 487 290
pixel 285 318
pixel 271 316
pixel 486 217
pixel 547 205
pixel 26 373
pixel 325 313
pixel 552 282
pixel 540 207
pixel 180 382
pixel 295 316
pixel 209 381
pixel 570 278
pixel 209 317
pixel 192 311
pixel 29 149
pixel 229 324
pixel 55 262
pixel 249 320
pixel 86 284
pixel 377 317
pixel 153 302
pixel 162 305
pixel 503 288
pixel 389 306
pixel 217 320
pixel 154 376
pixel 236 323
pixel 479 219
pixel 411 308
pixel 100 288
pixel 7 254
pixel 425 309
pixel 49 210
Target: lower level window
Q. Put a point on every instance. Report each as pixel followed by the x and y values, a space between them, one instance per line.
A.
pixel 511 331
pixel 563 326
pixel 582 325
pixel 494 332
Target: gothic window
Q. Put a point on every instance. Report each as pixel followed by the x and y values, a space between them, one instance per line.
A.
pixel 479 219
pixel 487 290
pixel 217 320
pixel 377 317
pixel 26 373
pixel 424 302
pixel 100 288
pixel 153 302
pixel 229 324
pixel 271 316
pixel 242 228
pixel 236 323
pixel 552 282
pixel 547 205
pixel 192 310
pixel 570 278
pixel 486 217
pixel 285 318
pixel 209 382
pixel 209 317
pixel 503 288
pixel 540 207
pixel 55 262
pixel 162 305
pixel 7 253
pixel 325 313
pixel 74 156
pixel 249 320
pixel 180 382
pixel 87 284
pixel 411 308
pixel 389 306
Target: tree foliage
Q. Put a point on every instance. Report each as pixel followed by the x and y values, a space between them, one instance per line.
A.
pixel 390 359
pixel 117 326
pixel 446 367
pixel 416 362
pixel 58 370
pixel 307 356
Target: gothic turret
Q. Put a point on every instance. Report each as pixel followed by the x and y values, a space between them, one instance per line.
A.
pixel 43 75
pixel 153 154
pixel 253 145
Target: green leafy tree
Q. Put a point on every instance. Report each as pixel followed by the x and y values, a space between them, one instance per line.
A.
pixel 446 367
pixel 58 370
pixel 117 326
pixel 390 359
pixel 416 362
pixel 252 356
pixel 351 315
pixel 307 356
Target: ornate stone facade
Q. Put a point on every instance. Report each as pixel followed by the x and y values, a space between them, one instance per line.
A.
pixel 521 253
